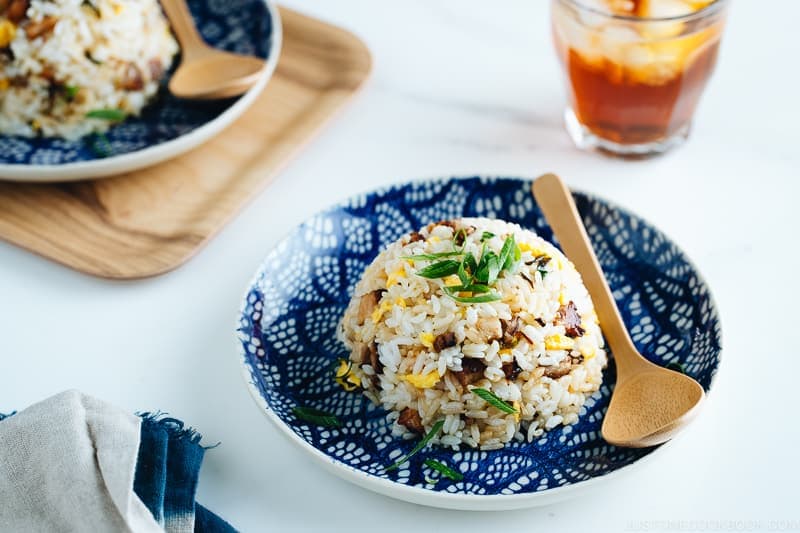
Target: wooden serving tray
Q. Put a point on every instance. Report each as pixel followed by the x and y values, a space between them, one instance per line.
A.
pixel 151 221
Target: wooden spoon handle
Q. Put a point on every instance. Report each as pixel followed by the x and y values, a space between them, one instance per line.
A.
pixel 559 209
pixel 180 18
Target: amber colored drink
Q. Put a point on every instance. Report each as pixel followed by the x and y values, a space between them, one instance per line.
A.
pixel 634 82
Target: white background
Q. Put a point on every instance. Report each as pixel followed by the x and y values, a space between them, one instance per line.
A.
pixel 465 87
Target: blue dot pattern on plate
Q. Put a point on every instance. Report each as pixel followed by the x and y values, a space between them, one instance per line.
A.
pixel 289 317
pixel 242 26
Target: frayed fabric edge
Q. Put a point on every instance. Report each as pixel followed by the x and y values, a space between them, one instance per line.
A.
pixel 175 428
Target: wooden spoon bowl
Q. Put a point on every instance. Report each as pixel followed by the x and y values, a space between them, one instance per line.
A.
pixel 650 404
pixel 216 75
pixel 206 73
pixel 650 407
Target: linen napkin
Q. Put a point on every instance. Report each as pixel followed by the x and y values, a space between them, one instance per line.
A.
pixel 75 463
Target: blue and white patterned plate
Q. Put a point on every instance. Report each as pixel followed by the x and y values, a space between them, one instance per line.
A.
pixel 287 341
pixel 167 127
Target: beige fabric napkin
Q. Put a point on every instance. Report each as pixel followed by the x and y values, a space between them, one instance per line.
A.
pixel 68 464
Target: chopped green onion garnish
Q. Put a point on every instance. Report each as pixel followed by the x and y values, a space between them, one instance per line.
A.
pixel 508 253
pixel 494 265
pixel 482 299
pixel 463 275
pixel 315 416
pixel 492 399
pixel 480 289
pixel 71 91
pixel 441 269
pixel 100 145
pixel 542 272
pixel 429 257
pixel 437 427
pixel 113 115
pixel 444 470
pixel 476 276
pixel 677 367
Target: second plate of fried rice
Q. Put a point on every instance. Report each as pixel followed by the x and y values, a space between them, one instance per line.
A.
pixel 83 83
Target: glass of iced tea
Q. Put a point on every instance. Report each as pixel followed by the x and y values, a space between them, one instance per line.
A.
pixel 635 69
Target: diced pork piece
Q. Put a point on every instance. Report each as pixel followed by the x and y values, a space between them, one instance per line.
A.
pixel 560 370
pixel 414 237
pixel 568 316
pixel 368 304
pixel 445 340
pixel 16 10
pixel 410 419
pixel 43 27
pixel 472 371
pixel 371 357
pixel 448 223
pixel 563 368
pixel 512 331
pixel 511 370
pixel 132 80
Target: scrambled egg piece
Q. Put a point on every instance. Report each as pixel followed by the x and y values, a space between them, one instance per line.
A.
pixel 395 276
pixel 426 339
pixel 345 378
pixel 558 342
pixel 525 247
pixel 421 381
pixel 7 33
pixel 380 310
pixel 385 306
pixel 452 281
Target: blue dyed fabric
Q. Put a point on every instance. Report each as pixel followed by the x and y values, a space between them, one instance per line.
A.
pixel 167 469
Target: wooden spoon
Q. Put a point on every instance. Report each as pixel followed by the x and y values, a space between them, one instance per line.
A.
pixel 206 73
pixel 650 404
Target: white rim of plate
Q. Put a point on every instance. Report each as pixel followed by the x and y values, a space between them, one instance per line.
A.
pixel 114 165
pixel 429 497
pixel 448 500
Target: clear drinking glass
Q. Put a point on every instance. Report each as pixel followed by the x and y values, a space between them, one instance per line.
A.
pixel 635 69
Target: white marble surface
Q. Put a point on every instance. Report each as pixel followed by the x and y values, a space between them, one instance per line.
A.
pixel 463 88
